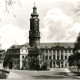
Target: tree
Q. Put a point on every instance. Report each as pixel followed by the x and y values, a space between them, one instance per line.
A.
pixel 9 6
pixel 44 66
pixel 76 52
pixel 71 60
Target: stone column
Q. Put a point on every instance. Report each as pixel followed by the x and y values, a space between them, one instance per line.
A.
pixel 52 64
pixel 44 54
pixel 52 54
pixel 48 54
pixel 59 54
pixel 56 55
pixel 67 65
pixel 67 56
pixel 52 57
pixel 64 55
pixel 64 64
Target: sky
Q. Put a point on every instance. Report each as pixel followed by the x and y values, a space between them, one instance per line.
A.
pixel 59 21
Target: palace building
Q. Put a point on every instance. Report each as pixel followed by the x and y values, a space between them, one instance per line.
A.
pixel 55 54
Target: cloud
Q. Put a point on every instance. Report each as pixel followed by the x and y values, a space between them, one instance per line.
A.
pixel 56 25
pixel 72 33
pixel 59 27
pixel 11 35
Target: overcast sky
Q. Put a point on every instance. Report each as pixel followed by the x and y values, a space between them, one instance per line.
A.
pixel 58 21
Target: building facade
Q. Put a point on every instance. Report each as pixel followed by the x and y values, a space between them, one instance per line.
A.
pixel 57 56
pixel 16 56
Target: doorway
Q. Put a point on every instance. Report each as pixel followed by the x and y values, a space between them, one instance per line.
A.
pixel 10 64
pixel 58 64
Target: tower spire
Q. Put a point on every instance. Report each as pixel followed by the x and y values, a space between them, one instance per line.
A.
pixel 34 14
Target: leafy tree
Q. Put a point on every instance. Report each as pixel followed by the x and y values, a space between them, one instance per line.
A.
pixel 76 51
pixel 71 60
pixel 44 66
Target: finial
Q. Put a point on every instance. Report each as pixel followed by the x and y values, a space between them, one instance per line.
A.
pixel 15 42
pixel 34 3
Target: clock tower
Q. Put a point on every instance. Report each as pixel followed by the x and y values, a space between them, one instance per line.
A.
pixel 34 34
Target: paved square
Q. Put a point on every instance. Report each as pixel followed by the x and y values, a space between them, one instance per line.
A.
pixel 56 73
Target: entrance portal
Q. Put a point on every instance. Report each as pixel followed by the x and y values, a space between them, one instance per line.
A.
pixel 58 64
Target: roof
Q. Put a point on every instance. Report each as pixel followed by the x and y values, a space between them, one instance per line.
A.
pixel 17 46
pixel 50 45
pixel 46 45
pixel 2 50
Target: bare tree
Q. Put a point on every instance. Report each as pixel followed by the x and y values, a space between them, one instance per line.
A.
pixel 77 9
pixel 10 3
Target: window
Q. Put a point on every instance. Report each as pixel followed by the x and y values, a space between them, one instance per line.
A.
pixel 46 51
pixel 24 51
pixel 65 57
pixel 22 56
pixel 57 51
pixel 65 51
pixel 46 57
pixel 61 51
pixel 65 64
pixel 69 51
pixel 53 51
pixel 58 57
pixel 53 56
pixel 49 57
pixel 49 51
pixel 26 57
pixel 61 56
